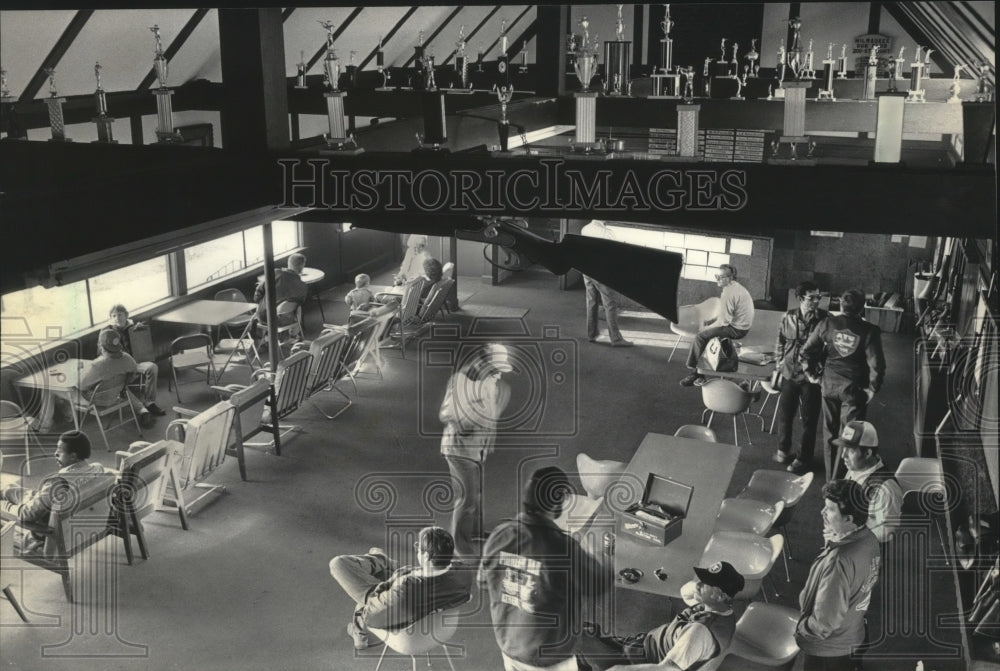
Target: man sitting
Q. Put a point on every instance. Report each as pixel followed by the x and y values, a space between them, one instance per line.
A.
pixel 393 598
pixel 34 505
pixel 698 634
pixel 288 286
pixel 120 323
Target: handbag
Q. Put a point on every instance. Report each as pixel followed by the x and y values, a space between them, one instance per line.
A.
pixel 721 355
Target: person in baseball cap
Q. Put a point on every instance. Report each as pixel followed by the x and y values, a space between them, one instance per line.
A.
pixel 857 434
pixel 723 575
pixel 110 343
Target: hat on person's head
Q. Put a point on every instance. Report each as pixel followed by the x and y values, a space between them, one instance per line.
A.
pixel 498 357
pixel 110 341
pixel 723 575
pixel 857 434
pixel 546 490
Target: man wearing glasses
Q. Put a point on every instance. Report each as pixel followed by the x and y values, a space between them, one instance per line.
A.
pixel 734 320
pixel 795 388
pixel 393 598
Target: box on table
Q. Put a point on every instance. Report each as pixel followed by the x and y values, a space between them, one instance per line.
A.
pixel 659 517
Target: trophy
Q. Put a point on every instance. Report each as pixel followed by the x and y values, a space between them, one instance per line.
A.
pixel 826 93
pixel 736 49
pixel 504 94
pixel 5 95
pixel 956 85
pixel 871 72
pixel 429 83
pixel 586 100
pixel 503 61
pixel 688 73
pixel 56 121
pixel 479 56
pixel 899 64
pixel 351 69
pixel 843 62
pixel 300 71
pixel 338 139
pixel 617 55
pixel 461 60
pixel 794 54
pixel 523 67
pixel 916 92
pixel 753 58
pixel 380 67
pixel 809 72
pixel 331 64
pixel 103 121
pixel 983 92
pixel 165 132
pixel 666 44
pixel 665 71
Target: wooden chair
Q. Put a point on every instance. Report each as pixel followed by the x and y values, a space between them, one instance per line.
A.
pixel 143 475
pixel 14 424
pixel 107 397
pixel 191 352
pixel 79 518
pixel 691 319
pixel 290 391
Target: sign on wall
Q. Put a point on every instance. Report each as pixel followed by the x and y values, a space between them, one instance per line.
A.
pixel 862 51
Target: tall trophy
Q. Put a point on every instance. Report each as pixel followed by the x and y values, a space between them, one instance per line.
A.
pixel 5 95
pixel 956 85
pixel 462 62
pixel 871 72
pixel 809 72
pixel 826 93
pixel 843 62
pixel 503 61
pixel 338 140
pixel 429 83
pixel 380 67
pixel 56 120
pixel 103 121
pixel 504 95
pixel 418 62
pixel 753 58
pixel 666 81
pixel 165 132
pixel 586 100
pixel 983 91
pixel 300 71
pixel 617 58
pixel 794 54
pixel 916 92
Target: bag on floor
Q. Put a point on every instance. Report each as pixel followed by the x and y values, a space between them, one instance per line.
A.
pixel 721 355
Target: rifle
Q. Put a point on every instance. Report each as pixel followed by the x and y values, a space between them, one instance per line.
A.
pixel 647 276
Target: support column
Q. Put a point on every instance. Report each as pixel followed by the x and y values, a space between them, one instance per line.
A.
pixel 550 49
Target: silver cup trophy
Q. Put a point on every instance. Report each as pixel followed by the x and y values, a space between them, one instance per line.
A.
pixel 586 56
pixel 331 64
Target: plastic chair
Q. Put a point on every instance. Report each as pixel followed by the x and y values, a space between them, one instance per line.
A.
pixel 765 634
pixel 750 554
pixel 696 432
pixel 597 475
pixel 727 397
pixel 772 391
pixel 691 319
pixel 925 476
pixel 108 396
pixel 191 352
pixel 772 486
pixel 433 630
pixel 748 516
pixel 14 424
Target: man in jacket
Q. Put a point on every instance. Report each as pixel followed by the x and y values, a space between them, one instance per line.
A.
pixel 393 598
pixel 475 398
pixel 734 320
pixel 795 389
pixel 119 322
pixel 288 286
pixel 540 580
pixel 859 445
pixel 846 351
pixel 839 585
pixel 34 505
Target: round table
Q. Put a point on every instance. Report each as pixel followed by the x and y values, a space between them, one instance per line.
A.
pixel 311 276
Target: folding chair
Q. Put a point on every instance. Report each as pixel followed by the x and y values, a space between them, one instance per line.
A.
pixel 191 352
pixel 14 424
pixel 327 357
pixel 108 396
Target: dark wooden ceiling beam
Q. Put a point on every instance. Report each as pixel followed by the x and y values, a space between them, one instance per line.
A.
pixel 518 45
pixel 336 33
pixel 437 31
pixel 286 12
pixel 174 46
pixel 898 11
pixel 56 54
pixel 468 38
pixel 389 36
pixel 509 27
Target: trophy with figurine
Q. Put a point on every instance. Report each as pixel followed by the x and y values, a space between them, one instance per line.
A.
pixel 983 91
pixel 871 72
pixel 300 71
pixel 826 93
pixel 57 122
pixel 165 132
pixel 338 140
pixel 794 53
pixel 916 92
pixel 462 63
pixel 843 62
pixel 587 50
pixel 809 72
pixel 956 85
pixel 503 60
pixel 617 58
pixel 381 68
pixel 666 81
pixel 504 94
pixel 103 121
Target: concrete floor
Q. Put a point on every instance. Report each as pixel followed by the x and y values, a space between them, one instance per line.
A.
pixel 247 587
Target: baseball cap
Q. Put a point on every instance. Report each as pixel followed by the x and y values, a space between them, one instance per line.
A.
pixel 721 574
pixel 498 356
pixel 857 434
pixel 111 342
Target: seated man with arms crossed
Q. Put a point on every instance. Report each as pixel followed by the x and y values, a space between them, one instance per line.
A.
pixel 393 598
pixel 124 327
pixel 698 634
pixel 34 505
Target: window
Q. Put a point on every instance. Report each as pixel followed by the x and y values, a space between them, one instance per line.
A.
pixel 48 313
pixel 703 254
pixel 224 256
pixel 134 287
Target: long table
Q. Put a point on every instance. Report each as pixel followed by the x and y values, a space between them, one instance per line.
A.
pixel 708 468
pixel 756 349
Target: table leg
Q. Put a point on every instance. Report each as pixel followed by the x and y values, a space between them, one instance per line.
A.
pixel 320 301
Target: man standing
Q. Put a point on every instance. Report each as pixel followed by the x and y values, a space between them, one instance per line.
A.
pixel 34 505
pixel 475 398
pixel 393 598
pixel 698 634
pixel 734 320
pixel 599 294
pixel 540 580
pixel 840 581
pixel 796 390
pixel 859 447
pixel 846 351
pixel 125 327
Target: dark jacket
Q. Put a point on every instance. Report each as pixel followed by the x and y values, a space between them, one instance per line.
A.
pixel 539 579
pixel 848 350
pixel 288 286
pixel 792 335
pixel 408 596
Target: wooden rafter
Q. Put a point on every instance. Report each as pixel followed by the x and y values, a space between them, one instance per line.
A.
pixel 512 24
pixel 336 33
pixel 436 32
pixel 55 55
pixel 389 36
pixel 174 46
pixel 468 38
